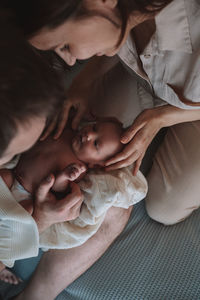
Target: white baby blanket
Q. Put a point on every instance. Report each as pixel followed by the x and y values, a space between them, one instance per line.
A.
pixel 18 231
pixel 101 191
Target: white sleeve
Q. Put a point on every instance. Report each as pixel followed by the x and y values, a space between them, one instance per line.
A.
pixel 19 237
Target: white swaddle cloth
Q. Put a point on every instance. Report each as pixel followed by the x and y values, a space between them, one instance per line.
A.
pixel 101 190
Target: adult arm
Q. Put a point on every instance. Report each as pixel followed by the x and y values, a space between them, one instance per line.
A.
pixel 58 268
pixel 138 137
pixel 47 209
pixel 80 92
pixel 17 225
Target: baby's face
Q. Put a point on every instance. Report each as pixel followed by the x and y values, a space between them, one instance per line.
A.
pixel 96 142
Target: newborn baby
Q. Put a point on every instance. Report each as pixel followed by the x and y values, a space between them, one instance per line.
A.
pixel 73 151
pixel 76 152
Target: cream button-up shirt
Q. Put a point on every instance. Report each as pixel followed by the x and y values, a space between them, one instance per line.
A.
pixel 171 60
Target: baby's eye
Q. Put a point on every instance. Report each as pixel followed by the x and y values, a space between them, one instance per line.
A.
pixel 65 48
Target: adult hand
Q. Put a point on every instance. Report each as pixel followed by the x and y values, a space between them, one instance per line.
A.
pixel 48 210
pixel 78 99
pixel 79 93
pixel 137 137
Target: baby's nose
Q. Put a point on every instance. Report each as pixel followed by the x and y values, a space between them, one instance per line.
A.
pixel 88 136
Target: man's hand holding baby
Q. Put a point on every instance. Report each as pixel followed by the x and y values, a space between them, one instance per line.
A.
pixel 48 210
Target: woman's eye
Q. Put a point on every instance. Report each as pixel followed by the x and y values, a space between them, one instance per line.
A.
pixel 65 48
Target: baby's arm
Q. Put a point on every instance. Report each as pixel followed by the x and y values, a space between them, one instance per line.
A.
pixel 71 173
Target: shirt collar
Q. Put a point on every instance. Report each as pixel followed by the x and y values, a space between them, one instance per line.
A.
pixel 172 28
pixel 172 33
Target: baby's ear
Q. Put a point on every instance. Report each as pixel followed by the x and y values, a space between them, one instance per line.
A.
pixel 98 165
pixel 90 165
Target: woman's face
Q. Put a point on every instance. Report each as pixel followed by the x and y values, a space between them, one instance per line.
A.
pixel 82 38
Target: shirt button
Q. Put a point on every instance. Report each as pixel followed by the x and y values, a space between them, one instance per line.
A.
pixel 147 56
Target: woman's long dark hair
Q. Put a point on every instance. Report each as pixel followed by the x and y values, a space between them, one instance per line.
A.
pixel 33 15
pixel 126 7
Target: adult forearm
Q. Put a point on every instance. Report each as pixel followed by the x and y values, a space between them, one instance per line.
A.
pixel 59 268
pixel 170 115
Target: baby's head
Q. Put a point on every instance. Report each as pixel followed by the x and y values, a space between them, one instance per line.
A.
pixel 98 141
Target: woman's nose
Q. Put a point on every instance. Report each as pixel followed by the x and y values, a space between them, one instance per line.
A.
pixel 66 56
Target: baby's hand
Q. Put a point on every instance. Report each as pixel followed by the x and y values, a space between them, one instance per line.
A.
pixel 73 171
pixel 70 173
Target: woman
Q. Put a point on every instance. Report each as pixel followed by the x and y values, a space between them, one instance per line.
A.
pixel 159 42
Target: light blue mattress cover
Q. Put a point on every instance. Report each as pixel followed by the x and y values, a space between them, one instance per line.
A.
pixel 147 261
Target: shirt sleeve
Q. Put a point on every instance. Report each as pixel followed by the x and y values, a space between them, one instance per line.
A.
pixel 19 237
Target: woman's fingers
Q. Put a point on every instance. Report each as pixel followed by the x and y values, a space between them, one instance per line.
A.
pixel 129 150
pixel 137 165
pixel 78 116
pixel 49 129
pixel 123 163
pixel 79 105
pixel 137 137
pixel 44 188
pixel 141 121
pixel 63 118
pixel 129 134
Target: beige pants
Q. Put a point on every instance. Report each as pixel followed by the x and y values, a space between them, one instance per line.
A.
pixel 174 186
pixel 174 179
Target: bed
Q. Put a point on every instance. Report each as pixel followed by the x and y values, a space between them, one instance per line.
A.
pixel 148 261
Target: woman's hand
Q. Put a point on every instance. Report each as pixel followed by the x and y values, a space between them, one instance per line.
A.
pixel 137 137
pixel 79 102
pixel 79 93
pixel 48 210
